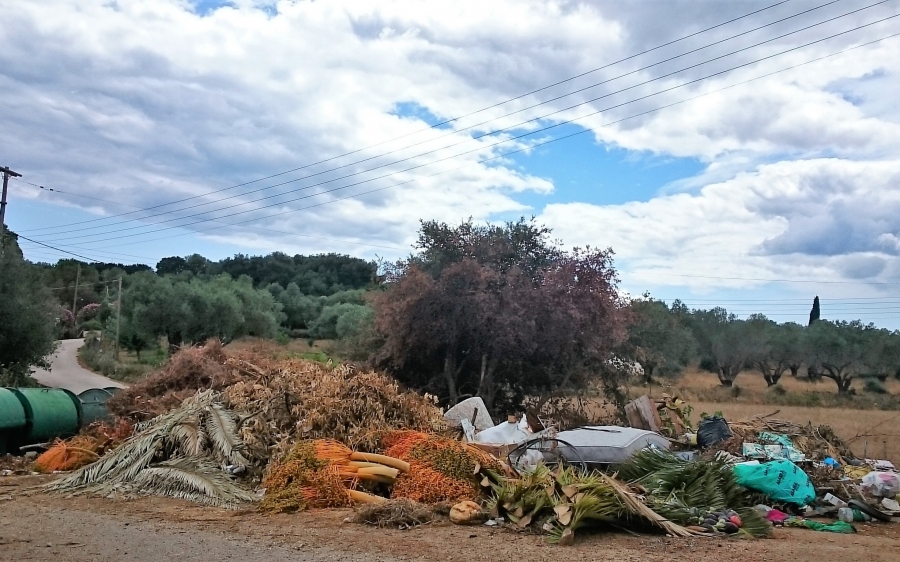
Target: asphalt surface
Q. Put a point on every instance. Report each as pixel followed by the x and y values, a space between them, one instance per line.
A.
pixel 65 372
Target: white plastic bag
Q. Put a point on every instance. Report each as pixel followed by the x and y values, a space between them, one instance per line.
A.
pixel 508 433
pixel 881 484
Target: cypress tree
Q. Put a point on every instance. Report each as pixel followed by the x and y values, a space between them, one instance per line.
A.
pixel 814 313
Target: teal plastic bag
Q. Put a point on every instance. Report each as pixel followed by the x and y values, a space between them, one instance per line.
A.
pixel 781 480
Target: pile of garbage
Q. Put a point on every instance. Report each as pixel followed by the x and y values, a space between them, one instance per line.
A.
pixel 801 471
pixel 288 434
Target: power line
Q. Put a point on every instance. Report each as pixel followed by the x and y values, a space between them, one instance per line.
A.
pixel 80 284
pixel 445 122
pixel 823 299
pixel 59 250
pixel 530 147
pixel 103 251
pixel 784 280
pixel 535 145
pixel 467 140
pixel 476 137
pixel 455 155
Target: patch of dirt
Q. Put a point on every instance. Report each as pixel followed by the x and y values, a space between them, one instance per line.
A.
pixel 82 529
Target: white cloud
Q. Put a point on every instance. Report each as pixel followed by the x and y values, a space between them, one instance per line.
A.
pixel 147 101
pixel 823 219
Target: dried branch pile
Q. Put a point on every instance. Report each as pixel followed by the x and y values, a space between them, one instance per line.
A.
pixel 306 400
pixel 816 442
pixel 401 514
pixel 189 370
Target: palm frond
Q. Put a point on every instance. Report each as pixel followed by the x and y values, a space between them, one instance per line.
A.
pixel 222 430
pixel 191 437
pixel 174 454
pixel 186 479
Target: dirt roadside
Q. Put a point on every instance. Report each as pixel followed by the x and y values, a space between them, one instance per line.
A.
pixel 38 526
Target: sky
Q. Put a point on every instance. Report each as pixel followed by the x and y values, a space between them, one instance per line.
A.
pixel 751 164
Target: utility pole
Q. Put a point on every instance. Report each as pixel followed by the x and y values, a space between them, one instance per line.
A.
pixel 118 316
pixel 75 296
pixel 6 175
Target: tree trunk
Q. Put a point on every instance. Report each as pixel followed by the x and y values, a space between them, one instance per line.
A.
pixel 844 384
pixel 813 373
pixel 450 376
pixel 648 374
pixel 726 377
pixel 772 378
pixel 486 388
pixel 794 369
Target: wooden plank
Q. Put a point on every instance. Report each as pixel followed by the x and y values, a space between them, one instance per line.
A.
pixel 642 414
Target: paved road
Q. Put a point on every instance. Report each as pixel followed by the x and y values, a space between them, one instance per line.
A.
pixel 65 372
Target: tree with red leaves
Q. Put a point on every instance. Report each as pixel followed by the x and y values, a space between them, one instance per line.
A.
pixel 497 311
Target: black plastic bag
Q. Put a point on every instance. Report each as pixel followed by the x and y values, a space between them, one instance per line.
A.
pixel 712 430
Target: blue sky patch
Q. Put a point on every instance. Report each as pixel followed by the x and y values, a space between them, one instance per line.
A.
pixel 413 109
pixel 584 171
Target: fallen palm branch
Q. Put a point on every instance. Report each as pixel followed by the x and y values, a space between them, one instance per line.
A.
pixel 684 491
pixel 180 454
pixel 563 500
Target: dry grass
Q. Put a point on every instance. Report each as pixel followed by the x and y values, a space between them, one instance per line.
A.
pixel 750 388
pixel 753 381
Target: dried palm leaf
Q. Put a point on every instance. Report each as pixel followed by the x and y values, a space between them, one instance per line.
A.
pixel 190 480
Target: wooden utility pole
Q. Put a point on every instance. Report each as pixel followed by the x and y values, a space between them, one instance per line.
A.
pixel 6 174
pixel 75 296
pixel 118 315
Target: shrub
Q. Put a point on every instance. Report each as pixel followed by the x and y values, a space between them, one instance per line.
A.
pixel 874 386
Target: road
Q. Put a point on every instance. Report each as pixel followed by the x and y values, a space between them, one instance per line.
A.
pixel 65 372
pixel 35 525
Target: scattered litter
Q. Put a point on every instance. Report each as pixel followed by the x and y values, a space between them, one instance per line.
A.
pixel 881 484
pixel 891 505
pixel 713 430
pixel 472 410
